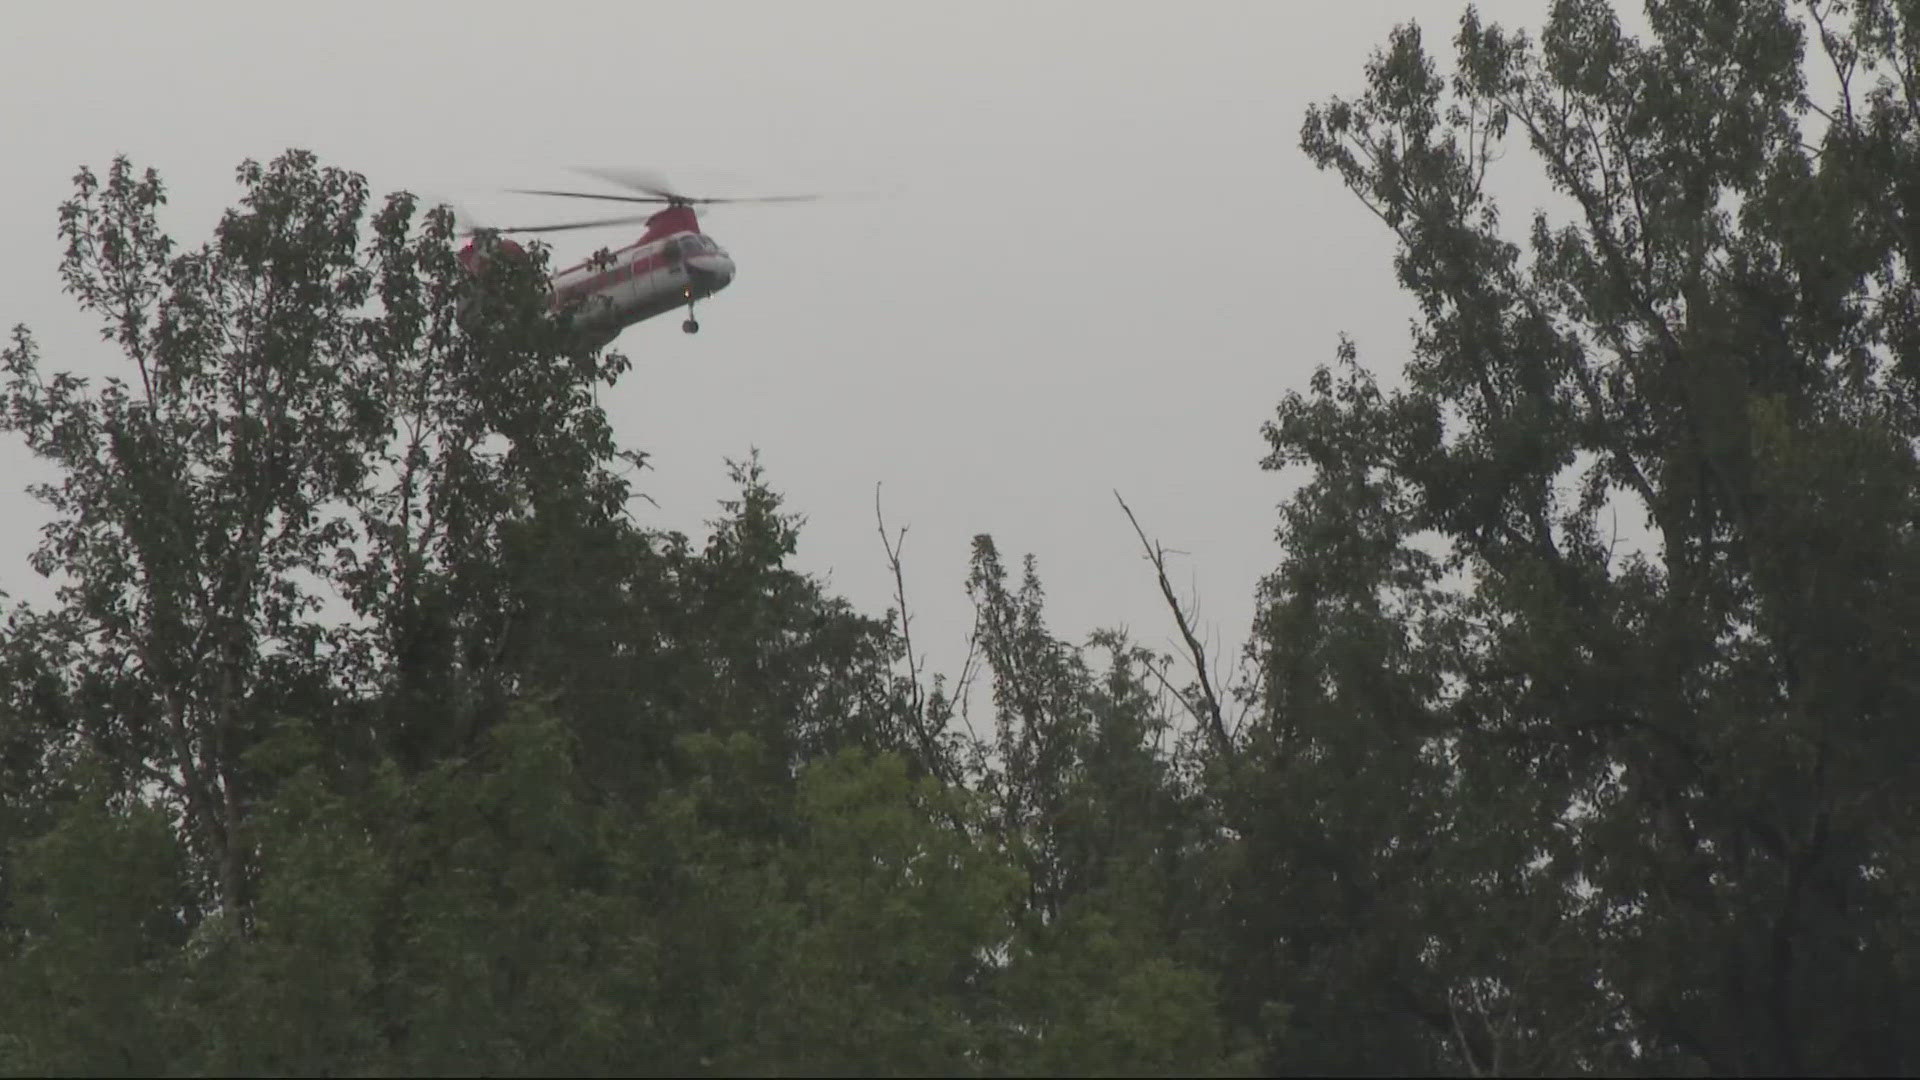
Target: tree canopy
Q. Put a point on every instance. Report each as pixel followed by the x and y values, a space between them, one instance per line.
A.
pixel 366 732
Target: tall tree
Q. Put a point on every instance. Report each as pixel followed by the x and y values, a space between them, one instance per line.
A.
pixel 1088 786
pixel 1613 796
pixel 308 413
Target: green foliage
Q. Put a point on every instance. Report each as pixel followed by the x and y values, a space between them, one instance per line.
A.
pixel 1092 998
pixel 315 413
pixel 1109 969
pixel 1605 798
pixel 879 861
pixel 93 939
pixel 367 735
pixel 299 989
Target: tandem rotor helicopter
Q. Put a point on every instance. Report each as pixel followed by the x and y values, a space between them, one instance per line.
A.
pixel 671 265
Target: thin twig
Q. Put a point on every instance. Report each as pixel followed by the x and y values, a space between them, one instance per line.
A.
pixel 929 744
pixel 893 546
pixel 963 687
pixel 1211 717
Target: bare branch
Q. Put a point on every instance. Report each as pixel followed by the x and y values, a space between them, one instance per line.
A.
pixel 893 545
pixel 929 742
pixel 1209 712
pixel 963 686
pixel 1460 1036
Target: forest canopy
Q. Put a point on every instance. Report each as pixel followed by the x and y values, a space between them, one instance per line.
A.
pixel 366 732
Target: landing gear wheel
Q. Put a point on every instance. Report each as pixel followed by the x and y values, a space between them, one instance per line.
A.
pixel 690 326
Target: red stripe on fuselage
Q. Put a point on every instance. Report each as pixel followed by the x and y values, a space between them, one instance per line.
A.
pixel 646 264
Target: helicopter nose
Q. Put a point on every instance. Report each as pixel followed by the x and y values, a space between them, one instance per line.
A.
pixel 714 270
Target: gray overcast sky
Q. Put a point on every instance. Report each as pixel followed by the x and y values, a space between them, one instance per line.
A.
pixel 1106 260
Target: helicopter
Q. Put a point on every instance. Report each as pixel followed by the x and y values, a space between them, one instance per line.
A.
pixel 673 264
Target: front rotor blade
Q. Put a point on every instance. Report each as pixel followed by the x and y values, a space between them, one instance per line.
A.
pixel 632 219
pixel 638 179
pixel 591 195
pixel 656 185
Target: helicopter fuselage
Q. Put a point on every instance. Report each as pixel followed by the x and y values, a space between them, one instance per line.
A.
pixel 670 267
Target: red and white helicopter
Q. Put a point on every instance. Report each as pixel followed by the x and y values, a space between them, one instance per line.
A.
pixel 672 264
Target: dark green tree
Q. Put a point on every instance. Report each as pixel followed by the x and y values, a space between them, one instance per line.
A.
pixel 312 416
pixel 1089 787
pixel 1589 668
pixel 92 942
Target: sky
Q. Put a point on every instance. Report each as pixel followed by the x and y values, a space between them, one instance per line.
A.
pixel 1087 255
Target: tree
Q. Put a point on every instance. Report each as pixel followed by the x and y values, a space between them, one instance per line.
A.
pixel 1088 786
pixel 90 948
pixel 410 751
pixel 311 417
pixel 880 860
pixel 1611 802
pixel 1580 742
